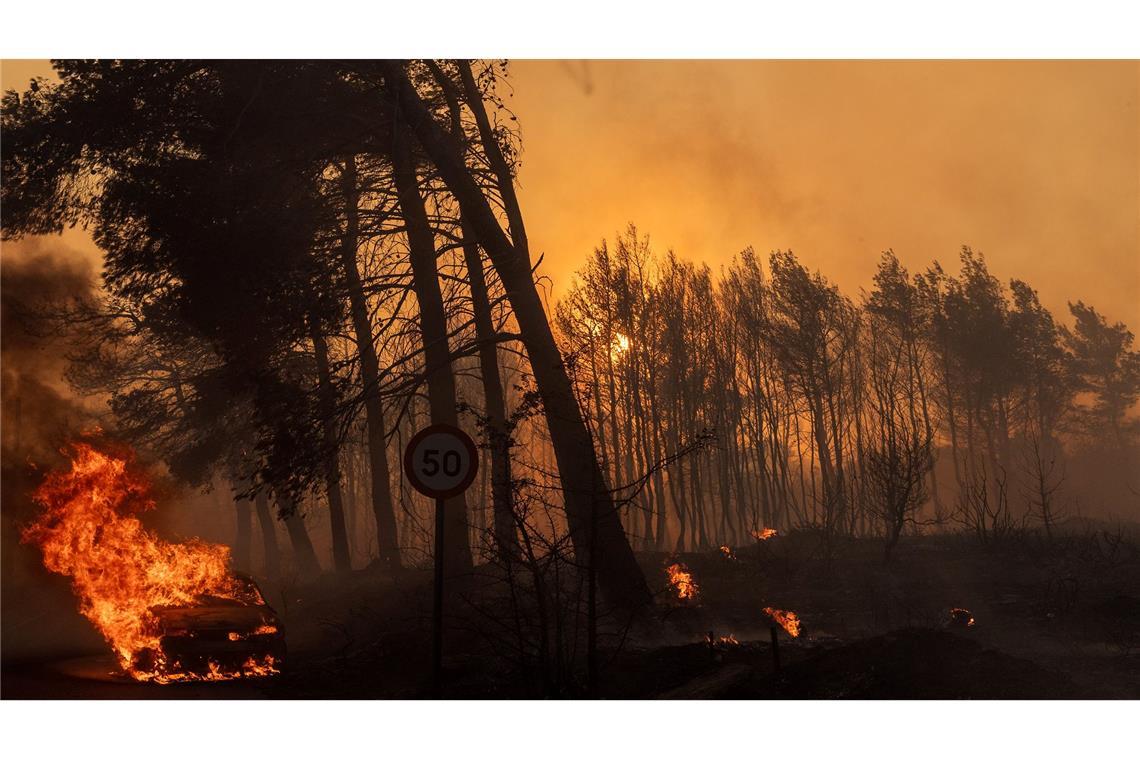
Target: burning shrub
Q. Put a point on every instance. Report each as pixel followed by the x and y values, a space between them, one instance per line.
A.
pixel 681 581
pixel 787 620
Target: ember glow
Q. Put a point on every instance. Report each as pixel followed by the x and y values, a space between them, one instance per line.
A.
pixel 681 581
pixel 727 552
pixel 763 534
pixel 789 621
pixel 120 571
pixel 961 616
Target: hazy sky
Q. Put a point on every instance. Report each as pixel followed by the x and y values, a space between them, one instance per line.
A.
pixel 1037 164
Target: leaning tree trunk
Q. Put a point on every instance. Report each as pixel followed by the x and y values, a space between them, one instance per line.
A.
pixel 506 538
pixel 498 430
pixel 433 331
pixel 327 400
pixel 588 499
pixel 268 537
pixel 382 508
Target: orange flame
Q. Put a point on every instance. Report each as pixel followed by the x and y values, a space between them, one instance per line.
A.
pixel 721 641
pixel 681 580
pixel 789 621
pixel 119 570
pixel 261 630
pixel 727 552
pixel 763 534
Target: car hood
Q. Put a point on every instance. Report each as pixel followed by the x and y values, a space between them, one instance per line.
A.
pixel 232 618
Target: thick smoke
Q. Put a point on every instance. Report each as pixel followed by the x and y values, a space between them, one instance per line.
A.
pixel 39 413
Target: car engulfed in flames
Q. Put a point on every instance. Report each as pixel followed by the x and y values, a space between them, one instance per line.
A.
pixel 170 611
pixel 217 638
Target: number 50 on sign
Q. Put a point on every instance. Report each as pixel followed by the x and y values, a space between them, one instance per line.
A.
pixel 441 461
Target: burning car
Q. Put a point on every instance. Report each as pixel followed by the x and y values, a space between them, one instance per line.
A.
pixel 170 611
pixel 215 637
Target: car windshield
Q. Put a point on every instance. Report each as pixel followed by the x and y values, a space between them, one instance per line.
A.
pixel 246 594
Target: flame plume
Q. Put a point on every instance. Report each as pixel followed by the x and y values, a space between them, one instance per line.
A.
pixel 681 580
pixel 763 534
pixel 119 570
pixel 787 620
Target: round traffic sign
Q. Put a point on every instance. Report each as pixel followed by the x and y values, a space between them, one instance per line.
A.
pixel 441 461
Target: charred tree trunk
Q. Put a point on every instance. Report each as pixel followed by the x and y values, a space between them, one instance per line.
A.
pixel 583 484
pixel 268 537
pixel 341 559
pixel 506 539
pixel 382 508
pixel 303 553
pixel 433 330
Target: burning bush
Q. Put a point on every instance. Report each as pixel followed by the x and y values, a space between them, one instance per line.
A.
pixel 681 581
pixel 787 620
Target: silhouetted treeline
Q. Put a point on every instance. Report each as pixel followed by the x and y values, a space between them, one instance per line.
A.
pixel 307 261
pixel 934 398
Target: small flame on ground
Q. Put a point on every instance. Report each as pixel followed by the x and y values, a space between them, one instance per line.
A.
pixel 681 580
pixel 960 615
pixel 120 571
pixel 762 534
pixel 727 552
pixel 720 641
pixel 786 619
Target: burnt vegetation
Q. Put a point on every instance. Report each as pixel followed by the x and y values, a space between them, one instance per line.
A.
pixel 307 262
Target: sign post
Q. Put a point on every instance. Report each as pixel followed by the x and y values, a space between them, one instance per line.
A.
pixel 440 461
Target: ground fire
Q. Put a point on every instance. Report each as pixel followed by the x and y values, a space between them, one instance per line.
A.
pixel 789 621
pixel 763 534
pixel 681 581
pixel 142 592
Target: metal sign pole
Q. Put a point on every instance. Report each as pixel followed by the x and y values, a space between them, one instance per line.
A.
pixel 440 462
pixel 437 604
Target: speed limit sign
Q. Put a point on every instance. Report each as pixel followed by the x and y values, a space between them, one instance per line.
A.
pixel 441 461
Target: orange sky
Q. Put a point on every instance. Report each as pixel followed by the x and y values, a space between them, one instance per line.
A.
pixel 1037 164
